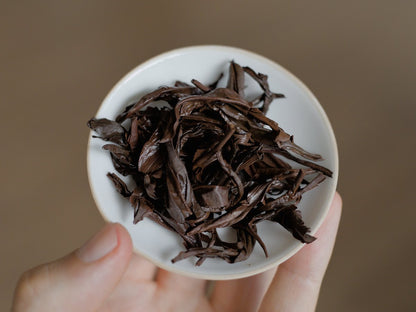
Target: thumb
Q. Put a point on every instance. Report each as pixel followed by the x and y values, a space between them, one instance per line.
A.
pixel 82 280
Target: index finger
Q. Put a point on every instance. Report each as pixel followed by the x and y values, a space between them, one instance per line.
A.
pixel 297 282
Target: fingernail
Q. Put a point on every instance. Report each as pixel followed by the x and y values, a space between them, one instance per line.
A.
pixel 99 245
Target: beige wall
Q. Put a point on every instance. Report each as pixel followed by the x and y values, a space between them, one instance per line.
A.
pixel 57 62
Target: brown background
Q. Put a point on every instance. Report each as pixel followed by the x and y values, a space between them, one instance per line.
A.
pixel 58 61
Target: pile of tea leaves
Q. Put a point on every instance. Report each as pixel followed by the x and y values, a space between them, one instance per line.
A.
pixel 210 159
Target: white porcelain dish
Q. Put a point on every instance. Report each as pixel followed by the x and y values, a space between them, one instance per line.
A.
pixel 299 113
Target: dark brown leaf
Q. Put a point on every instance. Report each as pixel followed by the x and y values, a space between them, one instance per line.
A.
pixel 108 130
pixel 119 184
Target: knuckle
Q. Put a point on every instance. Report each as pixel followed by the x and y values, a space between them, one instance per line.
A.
pixel 31 282
pixel 24 288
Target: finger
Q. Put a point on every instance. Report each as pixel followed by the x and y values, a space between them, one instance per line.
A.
pixel 140 269
pixel 136 290
pixel 243 294
pixel 80 281
pixel 298 280
pixel 179 288
pixel 170 280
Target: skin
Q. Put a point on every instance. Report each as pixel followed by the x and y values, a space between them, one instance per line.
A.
pixel 122 281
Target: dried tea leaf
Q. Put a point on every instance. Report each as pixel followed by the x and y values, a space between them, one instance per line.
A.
pixel 108 130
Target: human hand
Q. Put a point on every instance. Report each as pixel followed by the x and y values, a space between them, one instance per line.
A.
pixel 104 275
